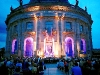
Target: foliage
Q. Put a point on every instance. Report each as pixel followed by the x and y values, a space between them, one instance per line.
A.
pixel 2 52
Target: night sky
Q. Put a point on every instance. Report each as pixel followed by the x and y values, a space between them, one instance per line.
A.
pixel 93 8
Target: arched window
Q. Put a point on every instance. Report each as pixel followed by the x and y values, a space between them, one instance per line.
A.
pixel 68 26
pixel 30 26
pixel 49 27
pixel 81 28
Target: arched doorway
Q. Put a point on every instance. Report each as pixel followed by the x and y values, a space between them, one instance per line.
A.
pixel 28 47
pixel 82 47
pixel 49 47
pixel 14 46
pixel 69 47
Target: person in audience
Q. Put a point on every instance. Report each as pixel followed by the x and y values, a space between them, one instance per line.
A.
pixel 76 70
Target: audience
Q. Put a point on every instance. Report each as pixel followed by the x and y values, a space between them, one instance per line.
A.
pixel 35 66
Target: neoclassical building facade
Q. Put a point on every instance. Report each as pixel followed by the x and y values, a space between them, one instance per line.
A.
pixel 49 28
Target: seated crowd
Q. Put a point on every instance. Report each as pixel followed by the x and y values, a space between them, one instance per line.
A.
pixel 36 66
pixel 79 66
pixel 22 66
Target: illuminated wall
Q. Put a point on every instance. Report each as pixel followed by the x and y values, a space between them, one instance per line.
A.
pixel 65 25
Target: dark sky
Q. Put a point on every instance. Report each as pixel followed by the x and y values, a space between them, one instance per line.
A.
pixel 93 7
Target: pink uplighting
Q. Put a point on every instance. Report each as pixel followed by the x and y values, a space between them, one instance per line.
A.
pixel 66 46
pixel 49 47
pixel 84 45
pixel 28 47
pixel 13 45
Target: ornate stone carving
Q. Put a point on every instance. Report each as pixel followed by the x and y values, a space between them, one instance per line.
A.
pixel 54 32
pixel 66 33
pixel 32 34
pixel 36 8
pixel 14 35
pixel 83 35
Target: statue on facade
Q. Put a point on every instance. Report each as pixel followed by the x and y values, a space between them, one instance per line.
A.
pixel 11 8
pixel 20 2
pixel 77 2
pixel 85 8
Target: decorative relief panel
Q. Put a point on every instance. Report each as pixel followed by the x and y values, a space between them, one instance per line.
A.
pixel 57 7
pixel 45 34
pixel 13 36
pixel 30 34
pixel 67 34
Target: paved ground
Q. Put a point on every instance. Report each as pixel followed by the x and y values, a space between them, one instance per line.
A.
pixel 51 69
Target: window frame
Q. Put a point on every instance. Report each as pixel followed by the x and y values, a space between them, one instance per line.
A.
pixel 68 26
pixel 81 28
pixel 15 28
pixel 30 25
pixel 49 26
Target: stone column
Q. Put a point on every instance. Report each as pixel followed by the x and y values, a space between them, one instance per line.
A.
pixel 10 40
pixel 38 34
pixel 61 25
pixel 22 46
pixel 22 37
pixel 8 44
pixel 74 27
pixel 19 37
pixel 57 36
pixel 78 38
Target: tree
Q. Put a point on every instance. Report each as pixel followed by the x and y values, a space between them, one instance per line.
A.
pixel 2 52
